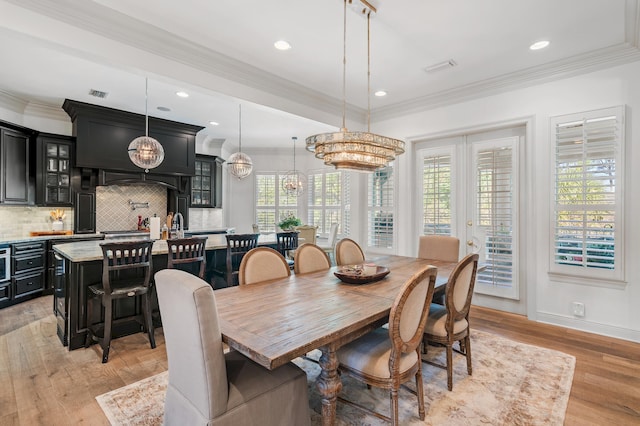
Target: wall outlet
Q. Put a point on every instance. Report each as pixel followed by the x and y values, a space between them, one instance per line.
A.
pixel 577 308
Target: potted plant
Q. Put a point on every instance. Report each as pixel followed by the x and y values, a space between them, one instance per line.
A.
pixel 289 222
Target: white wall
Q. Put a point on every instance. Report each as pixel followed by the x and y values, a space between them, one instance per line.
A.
pixel 609 310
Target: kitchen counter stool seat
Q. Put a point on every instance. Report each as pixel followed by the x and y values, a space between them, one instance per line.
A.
pixel 126 272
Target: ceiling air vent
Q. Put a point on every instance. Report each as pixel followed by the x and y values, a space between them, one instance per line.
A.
pixel 441 66
pixel 98 93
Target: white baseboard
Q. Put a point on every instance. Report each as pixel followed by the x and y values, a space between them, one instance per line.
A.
pixel 589 326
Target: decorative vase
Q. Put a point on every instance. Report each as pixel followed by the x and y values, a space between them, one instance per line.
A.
pixel 57 225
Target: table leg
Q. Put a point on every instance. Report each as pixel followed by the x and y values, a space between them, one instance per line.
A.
pixel 329 384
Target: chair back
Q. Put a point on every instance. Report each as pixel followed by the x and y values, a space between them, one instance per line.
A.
pixel 131 256
pixel 409 314
pixel 237 246
pixel 348 252
pixel 333 235
pixel 439 247
pixel 459 290
pixel 310 258
pixel 197 376
pixel 262 264
pixel 182 251
pixel 307 232
pixel 287 241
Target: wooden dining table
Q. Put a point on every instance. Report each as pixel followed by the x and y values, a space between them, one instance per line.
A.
pixel 276 321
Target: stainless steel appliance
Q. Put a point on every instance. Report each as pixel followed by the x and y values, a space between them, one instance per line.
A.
pixel 5 263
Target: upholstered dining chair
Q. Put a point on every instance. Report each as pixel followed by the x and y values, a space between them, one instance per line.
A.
pixel 387 358
pixel 310 258
pixel 450 323
pixel 256 228
pixel 237 246
pixel 307 233
pixel 330 244
pixel 348 252
pixel 262 264
pixel 287 243
pixel 207 386
pixel 126 272
pixel 439 247
pixel 187 251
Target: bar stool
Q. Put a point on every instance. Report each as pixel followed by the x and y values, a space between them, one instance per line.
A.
pixel 237 246
pixel 287 242
pixel 191 251
pixel 126 272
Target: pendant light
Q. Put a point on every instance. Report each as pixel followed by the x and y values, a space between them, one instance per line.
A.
pixel 144 151
pixel 240 164
pixel 294 181
pixel 362 151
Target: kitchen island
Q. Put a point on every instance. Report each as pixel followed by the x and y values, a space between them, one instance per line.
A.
pixel 81 265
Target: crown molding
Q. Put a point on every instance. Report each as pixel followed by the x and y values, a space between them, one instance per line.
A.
pixel 12 102
pixel 46 111
pixel 99 19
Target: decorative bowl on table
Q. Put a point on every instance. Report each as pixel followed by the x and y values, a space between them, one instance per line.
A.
pixel 361 274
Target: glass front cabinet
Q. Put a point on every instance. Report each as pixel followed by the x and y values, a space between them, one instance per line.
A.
pixel 54 170
pixel 206 184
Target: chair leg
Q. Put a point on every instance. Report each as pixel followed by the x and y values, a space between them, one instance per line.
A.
pixel 108 321
pixel 88 339
pixel 146 311
pixel 449 366
pixel 420 391
pixel 394 406
pixel 467 351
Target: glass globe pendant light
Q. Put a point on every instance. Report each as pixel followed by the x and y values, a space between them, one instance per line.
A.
pixel 144 151
pixel 239 163
pixel 293 182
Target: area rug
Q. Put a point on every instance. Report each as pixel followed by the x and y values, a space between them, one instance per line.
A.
pixel 512 384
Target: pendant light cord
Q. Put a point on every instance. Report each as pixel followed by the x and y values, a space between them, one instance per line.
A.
pixel 344 68
pixel 368 72
pixel 146 107
pixel 240 128
pixel 294 152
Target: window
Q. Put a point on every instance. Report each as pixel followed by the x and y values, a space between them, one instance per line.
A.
pixel 380 209
pixel 272 204
pixel 436 193
pixel 329 203
pixel 587 212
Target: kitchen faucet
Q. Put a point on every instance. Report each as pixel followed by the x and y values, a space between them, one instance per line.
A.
pixel 179 225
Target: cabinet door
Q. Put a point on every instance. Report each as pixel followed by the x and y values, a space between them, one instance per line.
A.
pixel 217 183
pixel 85 212
pixel 57 166
pixel 15 167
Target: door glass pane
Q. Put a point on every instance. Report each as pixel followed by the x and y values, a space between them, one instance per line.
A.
pixel 52 179
pixel 63 195
pixel 63 151
pixel 206 197
pixel 63 165
pixel 64 180
pixel 52 150
pixel 52 165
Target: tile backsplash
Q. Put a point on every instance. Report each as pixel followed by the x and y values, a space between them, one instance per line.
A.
pixel 18 221
pixel 205 219
pixel 115 213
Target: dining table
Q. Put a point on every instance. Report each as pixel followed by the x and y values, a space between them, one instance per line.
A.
pixel 276 321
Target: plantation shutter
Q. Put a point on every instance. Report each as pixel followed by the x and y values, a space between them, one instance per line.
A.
pixel 380 209
pixel 436 195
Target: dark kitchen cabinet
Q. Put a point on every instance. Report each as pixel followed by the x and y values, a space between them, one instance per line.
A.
pixel 28 261
pixel 55 162
pixel 16 174
pixel 179 203
pixel 85 212
pixel 206 184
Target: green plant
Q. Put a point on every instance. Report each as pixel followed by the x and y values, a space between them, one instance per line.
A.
pixel 289 222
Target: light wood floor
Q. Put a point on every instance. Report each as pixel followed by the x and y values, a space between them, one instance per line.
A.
pixel 41 383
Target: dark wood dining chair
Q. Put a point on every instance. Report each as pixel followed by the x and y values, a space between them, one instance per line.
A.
pixel 287 243
pixel 237 246
pixel 450 323
pixel 126 272
pixel 386 358
pixel 189 252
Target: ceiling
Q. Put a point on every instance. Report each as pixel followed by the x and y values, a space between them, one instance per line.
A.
pixel 221 53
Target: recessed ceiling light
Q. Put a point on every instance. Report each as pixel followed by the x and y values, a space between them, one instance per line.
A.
pixel 182 94
pixel 213 123
pixel 282 45
pixel 380 93
pixel 539 45
pixel 163 108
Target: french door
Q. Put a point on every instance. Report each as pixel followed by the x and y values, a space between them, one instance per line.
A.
pixel 470 189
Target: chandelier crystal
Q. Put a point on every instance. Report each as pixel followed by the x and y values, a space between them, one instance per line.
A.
pixel 361 151
pixel 144 151
pixel 294 181
pixel 239 163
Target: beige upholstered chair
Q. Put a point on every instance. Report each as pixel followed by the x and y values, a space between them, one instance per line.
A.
pixel 262 264
pixel 439 247
pixel 307 232
pixel 331 240
pixel 387 358
pixel 348 252
pixel 208 387
pixel 450 323
pixel 310 258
